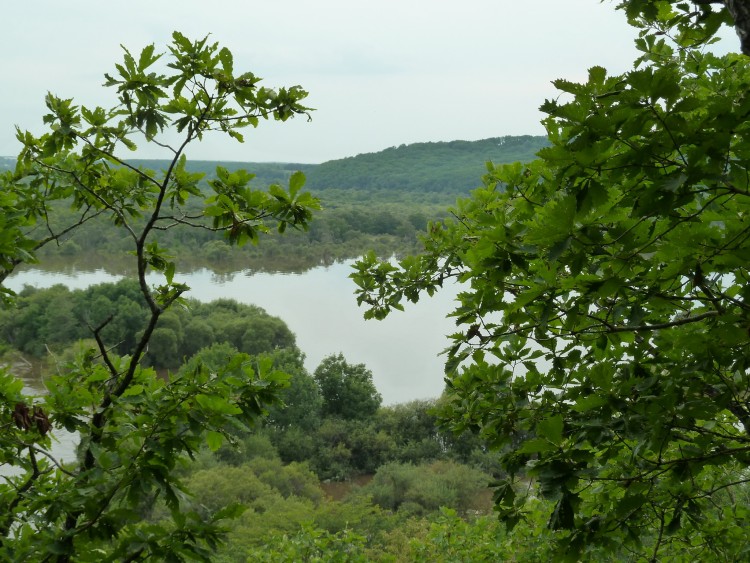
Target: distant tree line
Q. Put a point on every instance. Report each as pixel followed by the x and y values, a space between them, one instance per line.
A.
pixel 266 173
pixel 353 223
pixel 380 201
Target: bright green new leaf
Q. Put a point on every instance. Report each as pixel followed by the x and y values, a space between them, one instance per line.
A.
pixel 214 440
pixel 551 429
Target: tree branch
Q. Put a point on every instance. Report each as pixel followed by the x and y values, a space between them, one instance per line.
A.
pixel 659 326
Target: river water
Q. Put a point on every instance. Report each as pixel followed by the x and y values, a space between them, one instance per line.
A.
pixel 319 306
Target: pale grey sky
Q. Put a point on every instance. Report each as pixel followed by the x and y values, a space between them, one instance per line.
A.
pixel 379 73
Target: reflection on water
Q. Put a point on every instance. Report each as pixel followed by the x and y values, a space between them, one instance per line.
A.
pixel 320 308
pixel 229 263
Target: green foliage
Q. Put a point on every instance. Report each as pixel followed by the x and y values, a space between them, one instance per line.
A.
pixel 450 538
pixel 293 479
pixel 414 431
pixel 349 447
pixel 417 490
pixel 47 320
pixel 423 167
pixel 244 448
pixel 347 390
pixel 223 485
pixel 691 26
pixel 302 401
pixel 341 449
pixel 602 328
pixel 311 544
pixel 135 427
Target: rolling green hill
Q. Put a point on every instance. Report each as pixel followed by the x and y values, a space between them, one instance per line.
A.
pixel 454 166
pixel 450 167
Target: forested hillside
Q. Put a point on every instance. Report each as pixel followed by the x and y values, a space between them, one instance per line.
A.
pixel 379 201
pixel 451 167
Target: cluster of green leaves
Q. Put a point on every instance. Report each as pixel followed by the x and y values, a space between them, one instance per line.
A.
pixel 347 390
pixel 689 25
pixel 603 343
pixel 423 489
pixel 134 426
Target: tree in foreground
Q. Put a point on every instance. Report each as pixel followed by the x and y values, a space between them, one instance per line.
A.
pixel 603 341
pixel 134 427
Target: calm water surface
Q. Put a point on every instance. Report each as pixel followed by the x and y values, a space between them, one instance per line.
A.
pixel 320 308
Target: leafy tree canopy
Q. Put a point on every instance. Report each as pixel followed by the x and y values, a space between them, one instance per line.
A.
pixel 603 340
pixel 347 390
pixel 135 427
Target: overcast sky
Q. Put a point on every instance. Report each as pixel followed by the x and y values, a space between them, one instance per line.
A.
pixel 380 73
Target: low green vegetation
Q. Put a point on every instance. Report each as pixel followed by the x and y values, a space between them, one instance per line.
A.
pixel 329 472
pixel 329 468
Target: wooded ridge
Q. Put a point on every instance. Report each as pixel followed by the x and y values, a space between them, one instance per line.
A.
pixel 450 166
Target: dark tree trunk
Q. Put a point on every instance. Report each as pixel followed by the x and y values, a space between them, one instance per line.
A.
pixel 740 12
